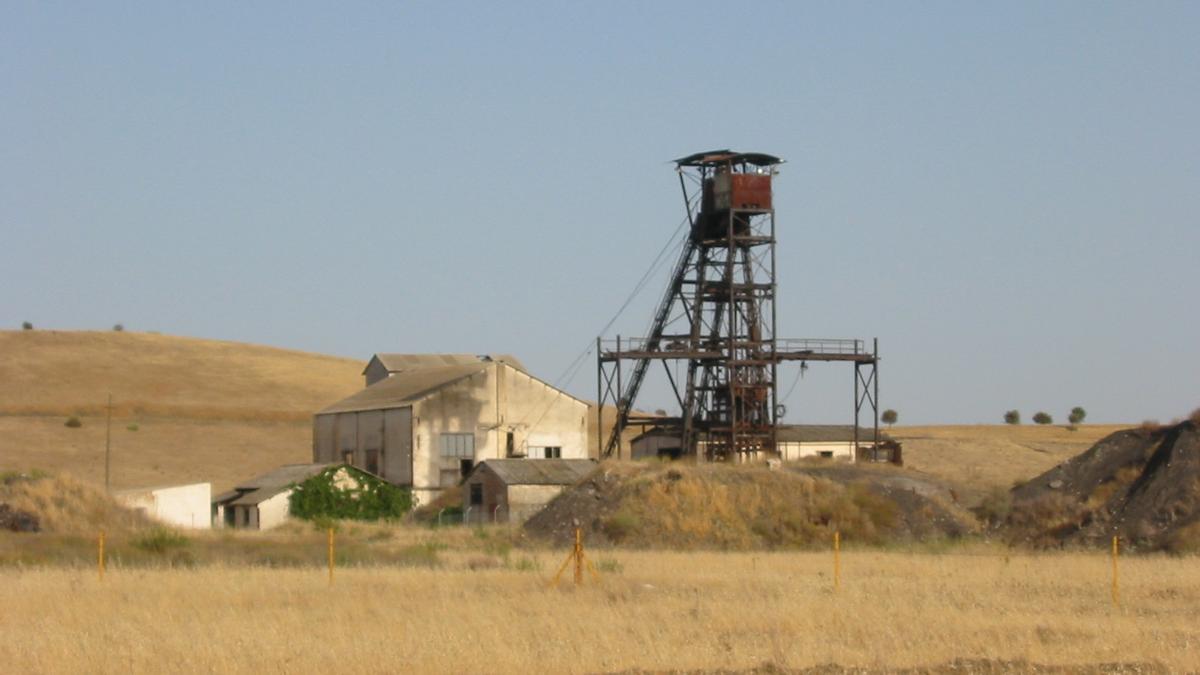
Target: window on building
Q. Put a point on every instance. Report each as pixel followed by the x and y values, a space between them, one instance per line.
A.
pixel 348 457
pixel 458 445
pixel 545 452
pixel 476 494
pixel 508 448
pixel 373 462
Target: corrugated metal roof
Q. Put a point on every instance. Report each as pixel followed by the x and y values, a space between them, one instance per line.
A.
pixel 829 433
pixel 539 471
pixel 405 388
pixel 261 488
pixel 397 363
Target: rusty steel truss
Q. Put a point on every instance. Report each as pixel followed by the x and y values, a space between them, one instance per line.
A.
pixel 718 317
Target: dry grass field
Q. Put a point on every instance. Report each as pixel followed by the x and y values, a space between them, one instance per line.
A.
pixel 204 410
pixel 983 457
pixel 650 610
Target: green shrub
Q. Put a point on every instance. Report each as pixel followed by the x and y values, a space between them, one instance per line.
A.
pixel 371 499
pixel 1042 417
pixel 26 326
pixel 621 525
pixel 1012 417
pixel 73 422
pixel 132 426
pixel 527 565
pixel 159 540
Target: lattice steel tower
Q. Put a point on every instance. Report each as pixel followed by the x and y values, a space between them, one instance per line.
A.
pixel 718 315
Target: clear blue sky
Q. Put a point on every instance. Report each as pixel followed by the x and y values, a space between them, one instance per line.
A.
pixel 1007 195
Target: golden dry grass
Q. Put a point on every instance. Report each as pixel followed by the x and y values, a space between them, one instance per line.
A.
pixel 983 457
pixel 205 410
pixel 659 611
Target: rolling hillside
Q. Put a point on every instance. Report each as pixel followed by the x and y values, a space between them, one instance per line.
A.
pixel 183 409
pixel 204 410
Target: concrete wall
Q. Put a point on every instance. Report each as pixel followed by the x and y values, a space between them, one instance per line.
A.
pixel 791 451
pixel 490 405
pixel 272 512
pixel 647 447
pixel 188 506
pixel 387 432
pixel 505 503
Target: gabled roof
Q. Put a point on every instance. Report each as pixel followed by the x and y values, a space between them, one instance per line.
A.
pixel 537 471
pixel 398 363
pixel 827 433
pixel 262 488
pixel 405 388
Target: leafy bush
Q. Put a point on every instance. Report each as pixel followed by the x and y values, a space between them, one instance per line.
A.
pixel 26 326
pixel 889 417
pixel 1012 417
pixel 620 525
pixel 118 328
pixel 73 422
pixel 133 426
pixel 1042 417
pixel 364 498
pixel 1077 415
pixel 159 540
pixel 609 566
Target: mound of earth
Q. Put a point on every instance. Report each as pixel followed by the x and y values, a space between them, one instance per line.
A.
pixel 1142 485
pixel 62 505
pixel 716 506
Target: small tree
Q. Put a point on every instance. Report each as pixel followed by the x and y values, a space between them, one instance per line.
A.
pixel 1042 417
pixel 72 423
pixel 26 326
pixel 1077 415
pixel 889 417
pixel 1012 417
pixel 119 327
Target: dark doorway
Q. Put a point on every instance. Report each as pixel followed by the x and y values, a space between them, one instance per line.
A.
pixel 464 467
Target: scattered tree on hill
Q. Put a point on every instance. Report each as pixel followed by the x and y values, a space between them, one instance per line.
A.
pixel 1012 417
pixel 889 417
pixel 1076 417
pixel 1042 417
pixel 119 327
pixel 73 422
pixel 26 326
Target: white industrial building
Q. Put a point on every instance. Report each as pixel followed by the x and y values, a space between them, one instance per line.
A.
pixel 424 420
pixel 178 505
pixel 793 442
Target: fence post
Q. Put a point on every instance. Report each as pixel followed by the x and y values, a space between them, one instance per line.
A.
pixel 837 560
pixel 331 556
pixel 100 554
pixel 1116 578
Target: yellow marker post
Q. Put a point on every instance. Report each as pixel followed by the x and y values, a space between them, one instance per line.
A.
pixel 580 559
pixel 331 556
pixel 1116 579
pixel 100 554
pixel 837 560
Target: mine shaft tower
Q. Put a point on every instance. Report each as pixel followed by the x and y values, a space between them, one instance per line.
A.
pixel 718 316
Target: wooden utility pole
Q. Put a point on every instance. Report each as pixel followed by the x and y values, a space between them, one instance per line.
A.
pixel 108 446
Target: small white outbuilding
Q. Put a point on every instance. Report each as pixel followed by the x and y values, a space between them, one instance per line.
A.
pixel 179 505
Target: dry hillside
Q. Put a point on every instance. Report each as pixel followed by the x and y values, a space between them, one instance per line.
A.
pixel 202 409
pixel 983 457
